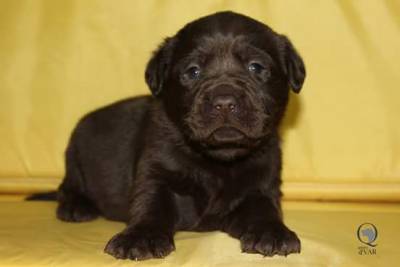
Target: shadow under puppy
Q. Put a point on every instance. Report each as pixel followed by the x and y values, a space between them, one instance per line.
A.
pixel 201 154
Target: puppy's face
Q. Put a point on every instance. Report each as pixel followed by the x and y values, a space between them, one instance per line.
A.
pixel 224 80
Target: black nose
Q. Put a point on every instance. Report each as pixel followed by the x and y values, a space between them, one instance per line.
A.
pixel 224 103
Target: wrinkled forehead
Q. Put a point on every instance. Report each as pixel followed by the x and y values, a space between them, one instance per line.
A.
pixel 216 45
pixel 220 45
pixel 222 42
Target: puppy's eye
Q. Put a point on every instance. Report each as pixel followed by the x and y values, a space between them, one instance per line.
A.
pixel 193 72
pixel 255 67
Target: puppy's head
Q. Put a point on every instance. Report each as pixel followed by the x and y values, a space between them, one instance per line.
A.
pixel 224 80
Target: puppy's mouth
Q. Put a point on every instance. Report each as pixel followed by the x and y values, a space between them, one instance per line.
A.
pixel 227 135
pixel 227 143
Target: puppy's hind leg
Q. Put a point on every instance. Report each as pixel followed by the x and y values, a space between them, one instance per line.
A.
pixel 73 205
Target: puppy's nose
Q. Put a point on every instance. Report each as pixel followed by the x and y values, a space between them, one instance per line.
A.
pixel 225 103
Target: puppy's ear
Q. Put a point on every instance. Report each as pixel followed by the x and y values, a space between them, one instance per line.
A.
pixel 292 64
pixel 158 66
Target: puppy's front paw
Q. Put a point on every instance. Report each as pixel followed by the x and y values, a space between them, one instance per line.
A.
pixel 140 246
pixel 271 239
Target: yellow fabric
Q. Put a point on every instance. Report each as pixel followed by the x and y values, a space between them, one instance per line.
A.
pixel 61 59
pixel 33 237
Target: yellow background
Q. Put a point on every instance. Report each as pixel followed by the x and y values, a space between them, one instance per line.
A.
pixel 341 138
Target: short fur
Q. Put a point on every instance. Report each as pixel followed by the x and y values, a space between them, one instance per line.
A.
pixel 202 154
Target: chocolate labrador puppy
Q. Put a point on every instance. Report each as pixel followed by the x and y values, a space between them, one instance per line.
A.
pixel 201 154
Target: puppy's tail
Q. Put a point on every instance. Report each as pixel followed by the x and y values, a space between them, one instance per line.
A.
pixel 47 196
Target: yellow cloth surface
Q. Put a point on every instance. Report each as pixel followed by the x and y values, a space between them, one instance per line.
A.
pixel 61 59
pixel 31 236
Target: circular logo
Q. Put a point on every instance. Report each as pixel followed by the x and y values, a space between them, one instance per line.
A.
pixel 367 234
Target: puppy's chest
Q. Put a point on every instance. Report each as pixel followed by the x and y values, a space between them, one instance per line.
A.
pixel 207 199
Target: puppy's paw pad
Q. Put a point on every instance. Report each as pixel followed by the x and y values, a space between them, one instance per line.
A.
pixel 70 212
pixel 139 246
pixel 275 239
